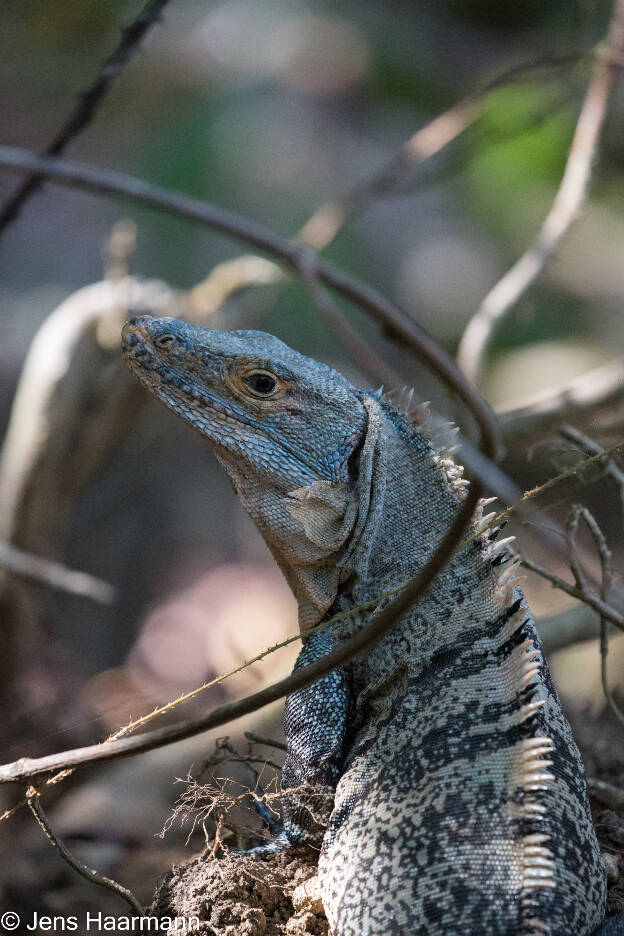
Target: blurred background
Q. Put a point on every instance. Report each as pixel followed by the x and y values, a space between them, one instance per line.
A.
pixel 271 109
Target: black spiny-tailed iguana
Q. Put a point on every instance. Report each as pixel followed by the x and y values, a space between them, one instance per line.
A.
pixel 460 798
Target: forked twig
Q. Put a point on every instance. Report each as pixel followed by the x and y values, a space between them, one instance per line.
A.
pixel 587 445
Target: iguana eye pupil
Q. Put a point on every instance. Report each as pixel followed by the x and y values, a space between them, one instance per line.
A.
pixel 260 383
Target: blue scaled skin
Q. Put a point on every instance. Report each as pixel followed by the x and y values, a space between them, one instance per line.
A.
pixel 316 721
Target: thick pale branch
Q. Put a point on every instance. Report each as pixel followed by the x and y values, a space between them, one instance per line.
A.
pixel 597 388
pixel 55 574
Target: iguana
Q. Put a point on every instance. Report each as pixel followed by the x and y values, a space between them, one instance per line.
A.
pixel 459 796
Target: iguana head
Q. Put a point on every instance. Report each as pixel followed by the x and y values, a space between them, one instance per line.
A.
pixel 283 414
pixel 286 428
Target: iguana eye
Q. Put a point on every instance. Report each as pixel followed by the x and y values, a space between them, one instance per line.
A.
pixel 261 383
pixel 164 341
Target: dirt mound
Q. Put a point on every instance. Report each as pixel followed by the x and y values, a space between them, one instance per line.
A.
pixel 242 896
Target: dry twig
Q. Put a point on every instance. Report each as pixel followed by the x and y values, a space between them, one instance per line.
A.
pixel 34 804
pixel 577 513
pixel 370 363
pixel 55 574
pixel 585 595
pixel 481 328
pixel 89 102
pixel 590 447
pixel 599 387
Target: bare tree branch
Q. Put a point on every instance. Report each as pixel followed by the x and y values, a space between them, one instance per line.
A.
pixel 107 182
pixel 381 623
pixel 426 142
pixel 590 447
pixel 481 328
pixel 370 363
pixel 599 387
pixel 269 742
pixel 575 625
pixel 585 595
pixel 329 218
pixel 34 804
pixel 55 574
pixel 89 102
pixel 578 513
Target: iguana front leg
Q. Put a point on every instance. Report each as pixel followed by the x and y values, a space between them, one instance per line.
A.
pixel 315 720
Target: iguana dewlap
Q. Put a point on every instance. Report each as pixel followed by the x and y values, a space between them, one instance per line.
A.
pixel 460 798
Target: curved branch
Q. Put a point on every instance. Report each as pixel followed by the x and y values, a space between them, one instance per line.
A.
pixel 107 182
pixel 34 804
pixel 382 622
pixel 601 386
pixel 482 327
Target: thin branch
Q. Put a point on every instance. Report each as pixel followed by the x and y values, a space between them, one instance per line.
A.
pixel 591 599
pixel 269 742
pixel 599 387
pixel 381 623
pixel 407 330
pixel 577 513
pixel 329 218
pixel 89 102
pixel 592 448
pixel 608 794
pixel 55 574
pixel 34 804
pixel 426 142
pixel 480 330
pixel 575 625
pixel 370 363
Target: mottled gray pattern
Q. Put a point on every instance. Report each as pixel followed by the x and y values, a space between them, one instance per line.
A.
pixel 435 819
pixel 461 805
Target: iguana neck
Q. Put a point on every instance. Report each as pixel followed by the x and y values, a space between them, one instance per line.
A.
pixel 407 495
